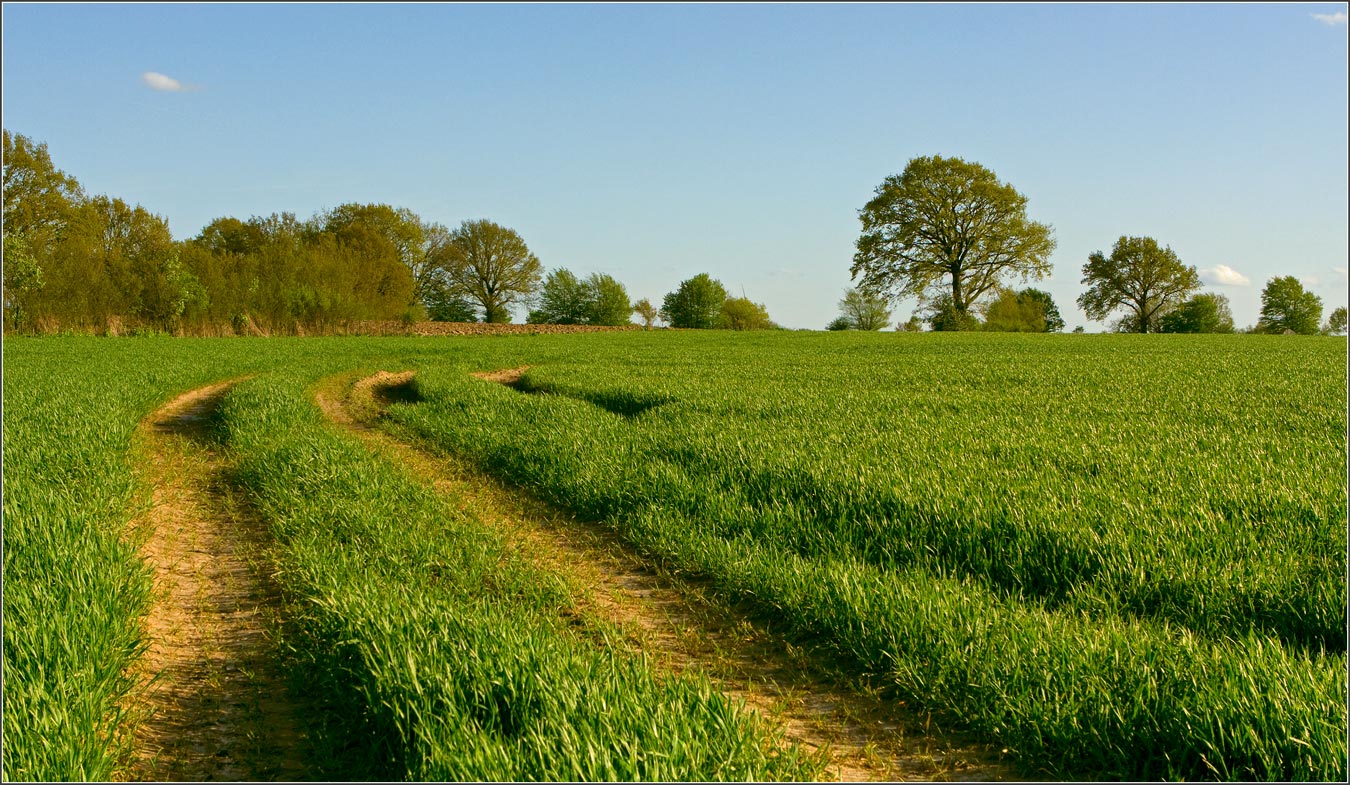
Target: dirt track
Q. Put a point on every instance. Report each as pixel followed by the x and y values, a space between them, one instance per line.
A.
pixel 672 621
pixel 216 707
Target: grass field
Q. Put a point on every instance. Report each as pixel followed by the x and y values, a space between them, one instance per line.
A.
pixel 1116 556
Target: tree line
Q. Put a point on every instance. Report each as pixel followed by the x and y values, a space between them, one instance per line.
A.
pixel 948 232
pixel 96 264
pixel 945 231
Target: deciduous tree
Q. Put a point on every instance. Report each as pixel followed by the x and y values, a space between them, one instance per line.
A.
pixel 1138 275
pixel 646 312
pixel 864 311
pixel 1336 322
pixel 608 304
pixel 695 304
pixel 563 299
pixel 1286 306
pixel 1203 313
pixel 741 313
pixel 948 224
pixel 492 267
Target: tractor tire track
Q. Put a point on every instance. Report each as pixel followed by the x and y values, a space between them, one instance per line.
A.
pixel 214 703
pixel 673 622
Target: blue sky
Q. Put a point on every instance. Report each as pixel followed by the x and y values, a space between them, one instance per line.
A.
pixel 655 142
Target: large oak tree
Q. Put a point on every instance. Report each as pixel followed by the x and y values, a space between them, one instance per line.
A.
pixel 490 265
pixel 1139 276
pixel 947 226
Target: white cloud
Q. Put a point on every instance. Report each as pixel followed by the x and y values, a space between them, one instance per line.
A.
pixel 1338 18
pixel 163 83
pixel 1223 275
pixel 1340 272
pixel 1310 280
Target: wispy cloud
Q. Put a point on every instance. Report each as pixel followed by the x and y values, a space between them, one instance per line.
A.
pixel 1340 273
pixel 1223 275
pixel 1310 280
pixel 1338 18
pixel 166 84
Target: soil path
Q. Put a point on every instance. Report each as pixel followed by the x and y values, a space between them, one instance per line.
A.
pixel 674 622
pixel 216 706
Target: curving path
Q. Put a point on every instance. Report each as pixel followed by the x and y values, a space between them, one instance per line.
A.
pixel 215 705
pixel 673 623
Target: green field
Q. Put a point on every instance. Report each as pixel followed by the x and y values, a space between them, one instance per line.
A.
pixel 1116 556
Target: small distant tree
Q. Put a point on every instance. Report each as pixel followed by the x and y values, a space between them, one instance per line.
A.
pixel 491 266
pixel 1336 322
pixel 864 311
pixel 563 299
pixel 1049 311
pixel 696 304
pixel 914 325
pixel 607 301
pixel 1203 313
pixel 1139 276
pixel 646 312
pixel 1079 330
pixel 1009 312
pixel 839 323
pixel 1285 306
pixel 740 313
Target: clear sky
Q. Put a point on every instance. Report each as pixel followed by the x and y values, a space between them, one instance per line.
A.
pixel 655 142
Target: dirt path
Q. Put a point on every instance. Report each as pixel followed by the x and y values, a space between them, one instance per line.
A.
pixel 216 707
pixel 674 623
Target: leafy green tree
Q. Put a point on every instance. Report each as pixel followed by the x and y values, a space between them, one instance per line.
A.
pixel 608 304
pixel 741 313
pixel 914 325
pixel 23 275
pixel 563 299
pixel 696 304
pixel 38 198
pixel 864 311
pixel 491 266
pixel 1010 312
pixel 839 323
pixel 1203 313
pixel 1336 322
pixel 945 223
pixel 1285 306
pixel 646 312
pixel 39 203
pixel 1050 312
pixel 1139 276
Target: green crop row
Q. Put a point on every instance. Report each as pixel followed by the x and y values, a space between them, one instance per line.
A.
pixel 1132 551
pixel 451 657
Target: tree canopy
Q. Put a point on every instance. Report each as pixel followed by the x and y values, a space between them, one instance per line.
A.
pixel 1336 322
pixel 697 303
pixel 598 300
pixel 741 313
pixel 861 310
pixel 1285 306
pixel 646 312
pixel 1203 313
pixel 491 266
pixel 1139 276
pixel 947 224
